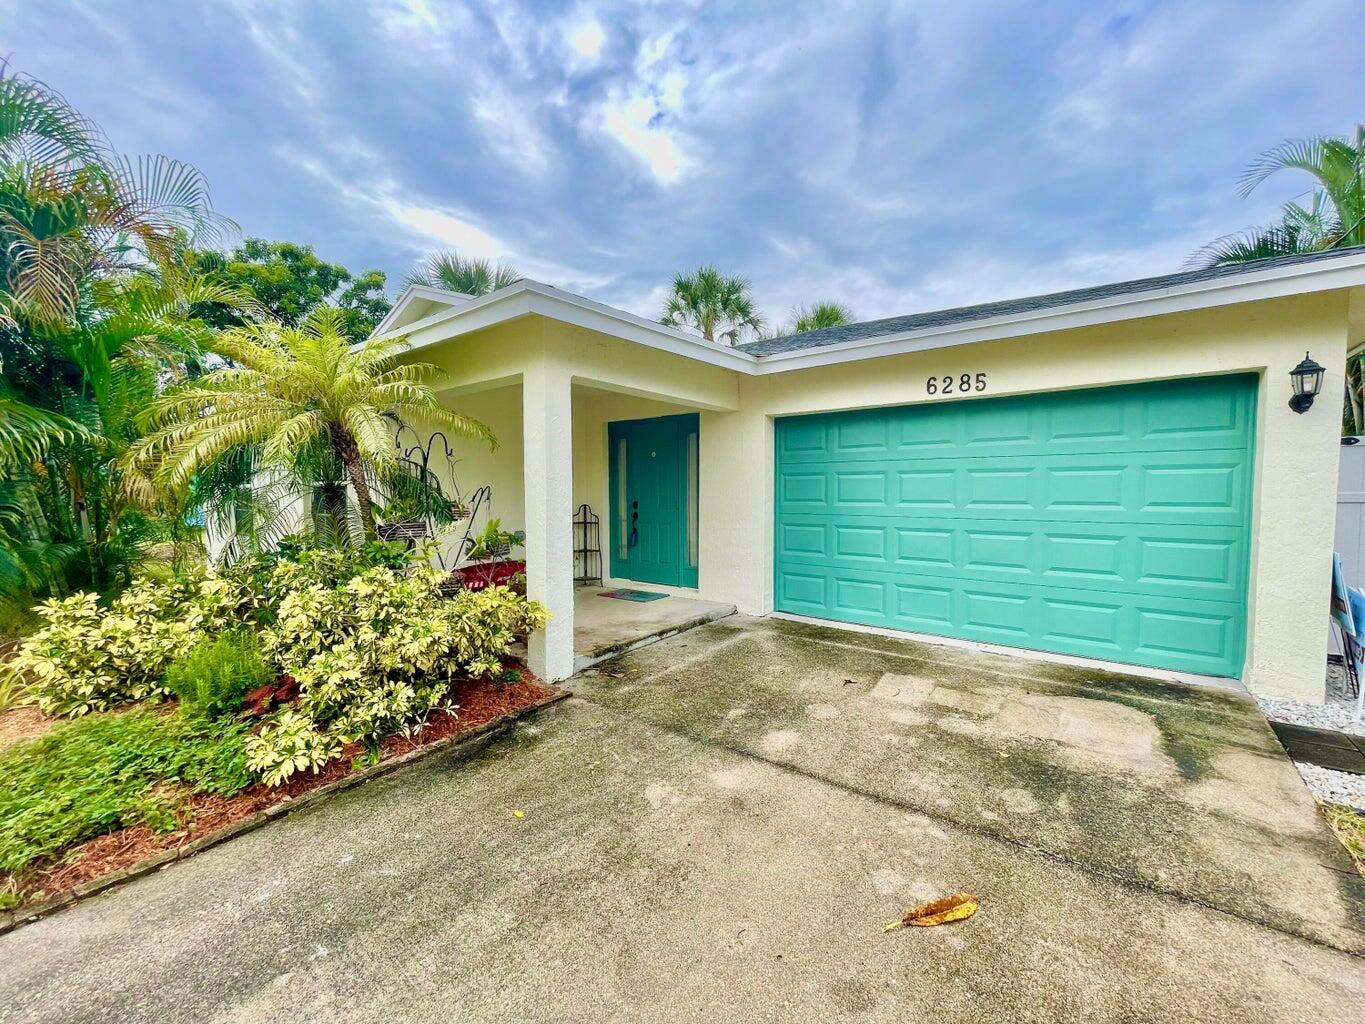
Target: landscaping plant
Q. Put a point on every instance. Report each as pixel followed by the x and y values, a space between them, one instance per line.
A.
pixel 296 394
pixel 103 773
pixel 87 658
pixel 216 673
pixel 363 637
pixel 376 655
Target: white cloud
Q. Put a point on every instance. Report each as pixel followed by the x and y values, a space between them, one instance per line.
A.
pixel 586 39
pixel 445 228
pixel 633 121
pixel 510 125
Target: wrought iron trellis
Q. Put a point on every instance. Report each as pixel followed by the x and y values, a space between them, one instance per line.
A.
pixel 416 458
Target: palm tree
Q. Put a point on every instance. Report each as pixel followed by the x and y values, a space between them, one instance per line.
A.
pixel 818 317
pixel 448 270
pixel 94 319
pixel 295 391
pixel 70 208
pixel 712 303
pixel 1334 215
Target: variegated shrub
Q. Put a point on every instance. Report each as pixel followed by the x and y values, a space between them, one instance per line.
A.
pixel 86 658
pixel 377 653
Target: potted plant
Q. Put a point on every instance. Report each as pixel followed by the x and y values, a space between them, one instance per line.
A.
pixel 490 549
pixel 404 518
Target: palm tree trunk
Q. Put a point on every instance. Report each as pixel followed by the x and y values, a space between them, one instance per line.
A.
pixel 349 453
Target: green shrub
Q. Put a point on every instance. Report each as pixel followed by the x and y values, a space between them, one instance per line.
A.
pixel 86 658
pixel 286 744
pixel 377 654
pixel 212 677
pixel 299 561
pixel 107 772
pixel 364 631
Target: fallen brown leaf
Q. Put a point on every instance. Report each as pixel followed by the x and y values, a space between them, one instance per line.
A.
pixel 957 907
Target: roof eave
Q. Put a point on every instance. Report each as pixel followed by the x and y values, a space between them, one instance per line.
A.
pixel 1278 282
pixel 527 297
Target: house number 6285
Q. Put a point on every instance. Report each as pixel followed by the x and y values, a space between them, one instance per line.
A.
pixel 959 384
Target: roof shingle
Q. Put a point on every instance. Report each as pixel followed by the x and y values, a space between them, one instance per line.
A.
pixel 1009 307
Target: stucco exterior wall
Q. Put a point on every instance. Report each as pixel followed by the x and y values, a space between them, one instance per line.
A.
pixel 1296 455
pixel 610 379
pixel 476 465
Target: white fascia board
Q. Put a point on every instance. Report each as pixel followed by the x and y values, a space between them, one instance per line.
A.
pixel 1278 282
pixel 417 293
pixel 526 297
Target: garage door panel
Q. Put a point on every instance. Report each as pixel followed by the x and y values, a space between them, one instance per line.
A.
pixel 1111 523
pixel 926 547
pixel 1153 561
pixel 929 489
pixel 1194 636
pixel 1172 416
pixel 1167 631
pixel 802 592
pixel 1196 488
pixel 861 543
pixel 923 607
pixel 999 552
pixel 800 540
pixel 1096 623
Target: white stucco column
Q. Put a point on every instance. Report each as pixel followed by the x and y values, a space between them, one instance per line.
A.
pixel 547 465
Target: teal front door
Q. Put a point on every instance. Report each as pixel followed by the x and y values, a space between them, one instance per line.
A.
pixel 654 499
pixel 1112 523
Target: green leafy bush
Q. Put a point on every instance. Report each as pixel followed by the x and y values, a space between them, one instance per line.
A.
pixel 301 561
pixel 212 677
pixel 377 654
pixel 103 773
pixel 494 542
pixel 364 631
pixel 289 743
pixel 85 658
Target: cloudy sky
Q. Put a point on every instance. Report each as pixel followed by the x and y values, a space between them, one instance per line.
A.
pixel 893 156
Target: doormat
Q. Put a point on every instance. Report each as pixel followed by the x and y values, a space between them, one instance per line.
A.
pixel 632 595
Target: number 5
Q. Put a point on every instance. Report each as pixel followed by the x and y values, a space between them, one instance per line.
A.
pixel 980 382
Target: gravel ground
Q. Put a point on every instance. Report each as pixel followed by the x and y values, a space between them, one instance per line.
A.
pixel 1337 713
pixel 1333 787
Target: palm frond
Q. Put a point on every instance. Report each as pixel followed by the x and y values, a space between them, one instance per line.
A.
pixel 37 123
pixel 448 270
pixel 27 432
pixel 713 304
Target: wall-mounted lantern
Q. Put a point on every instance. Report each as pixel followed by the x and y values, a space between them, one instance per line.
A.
pixel 1307 381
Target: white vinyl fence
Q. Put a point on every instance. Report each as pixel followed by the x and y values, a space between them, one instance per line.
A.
pixel 1350 538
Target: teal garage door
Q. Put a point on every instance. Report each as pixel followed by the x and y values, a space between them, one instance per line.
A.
pixel 1110 523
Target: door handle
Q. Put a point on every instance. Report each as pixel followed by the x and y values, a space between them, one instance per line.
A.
pixel 634 524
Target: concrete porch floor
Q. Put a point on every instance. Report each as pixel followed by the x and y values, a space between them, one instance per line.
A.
pixel 605 626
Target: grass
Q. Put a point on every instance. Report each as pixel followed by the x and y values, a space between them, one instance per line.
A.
pixel 107 772
pixel 1349 825
pixel 13 690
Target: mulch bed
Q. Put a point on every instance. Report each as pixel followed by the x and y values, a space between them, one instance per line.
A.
pixel 18 725
pixel 479 701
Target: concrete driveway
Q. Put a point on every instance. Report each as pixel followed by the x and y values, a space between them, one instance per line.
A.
pixel 717 831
